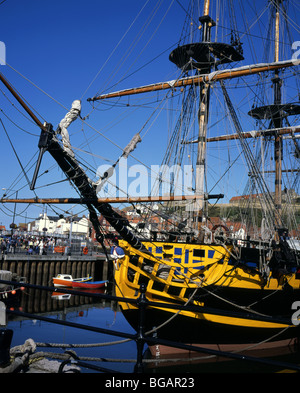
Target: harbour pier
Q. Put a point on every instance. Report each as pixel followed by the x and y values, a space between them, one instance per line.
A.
pixel 39 269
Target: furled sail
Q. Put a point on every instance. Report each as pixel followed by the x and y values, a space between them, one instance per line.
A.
pixel 107 174
pixel 71 116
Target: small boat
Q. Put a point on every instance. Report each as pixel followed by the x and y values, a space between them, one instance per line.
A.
pixel 89 284
pixel 66 280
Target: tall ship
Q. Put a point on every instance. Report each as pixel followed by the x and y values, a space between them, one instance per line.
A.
pixel 231 270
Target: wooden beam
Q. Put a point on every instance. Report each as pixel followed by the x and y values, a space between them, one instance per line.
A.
pixel 21 102
pixel 251 134
pixel 103 200
pixel 214 76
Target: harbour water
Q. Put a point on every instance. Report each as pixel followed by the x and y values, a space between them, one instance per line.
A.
pixel 111 353
pixel 120 357
pixel 116 355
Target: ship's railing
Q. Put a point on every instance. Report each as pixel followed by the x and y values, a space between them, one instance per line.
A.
pixel 140 337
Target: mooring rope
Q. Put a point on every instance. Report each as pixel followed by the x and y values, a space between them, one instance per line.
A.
pixel 62 345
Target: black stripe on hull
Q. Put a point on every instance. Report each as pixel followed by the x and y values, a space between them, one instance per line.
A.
pixel 190 330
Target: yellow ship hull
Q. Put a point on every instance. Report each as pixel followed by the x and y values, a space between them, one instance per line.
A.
pixel 224 303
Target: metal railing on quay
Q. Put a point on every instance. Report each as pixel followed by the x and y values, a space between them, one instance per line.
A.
pixel 75 249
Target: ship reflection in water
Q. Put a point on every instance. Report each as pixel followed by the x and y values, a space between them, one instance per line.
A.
pixel 118 355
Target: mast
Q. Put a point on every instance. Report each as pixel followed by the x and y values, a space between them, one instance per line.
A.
pixel 277 120
pixel 201 57
pixel 202 121
pixel 275 113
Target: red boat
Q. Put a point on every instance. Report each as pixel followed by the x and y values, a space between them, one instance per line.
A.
pixel 89 284
pixel 66 280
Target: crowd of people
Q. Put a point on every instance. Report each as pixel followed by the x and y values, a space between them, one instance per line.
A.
pixel 30 244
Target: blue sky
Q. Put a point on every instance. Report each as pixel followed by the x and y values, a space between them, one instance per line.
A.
pixel 61 46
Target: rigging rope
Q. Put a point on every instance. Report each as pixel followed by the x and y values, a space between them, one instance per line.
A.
pixel 119 43
pixel 14 150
